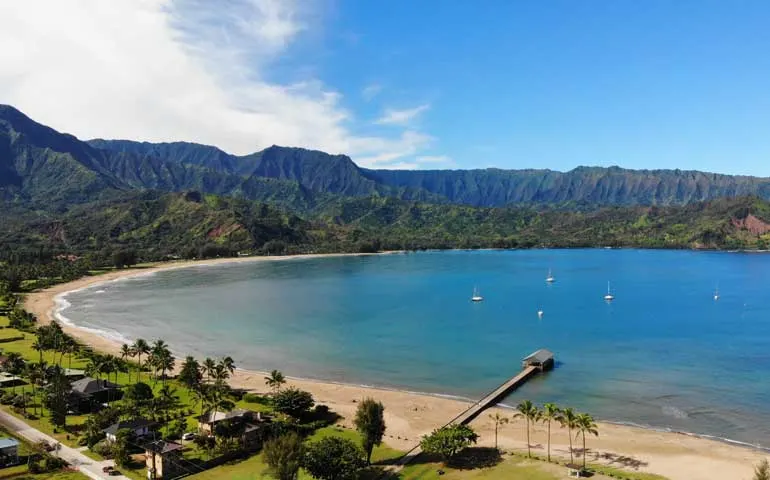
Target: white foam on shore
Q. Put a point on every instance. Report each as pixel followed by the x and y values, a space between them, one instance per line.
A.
pixel 62 304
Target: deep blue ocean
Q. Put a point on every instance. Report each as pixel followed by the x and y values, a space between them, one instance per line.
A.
pixel 664 354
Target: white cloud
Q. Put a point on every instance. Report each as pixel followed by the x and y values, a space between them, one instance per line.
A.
pixel 371 91
pixel 401 117
pixel 166 70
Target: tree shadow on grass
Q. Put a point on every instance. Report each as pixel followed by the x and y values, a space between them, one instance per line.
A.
pixel 476 457
pixel 626 461
pixel 378 473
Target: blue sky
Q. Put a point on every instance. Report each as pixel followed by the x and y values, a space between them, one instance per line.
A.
pixel 405 84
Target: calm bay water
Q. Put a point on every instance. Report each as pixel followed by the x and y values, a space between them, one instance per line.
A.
pixel 663 354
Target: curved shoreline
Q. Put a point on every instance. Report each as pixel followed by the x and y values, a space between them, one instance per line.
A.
pixel 413 414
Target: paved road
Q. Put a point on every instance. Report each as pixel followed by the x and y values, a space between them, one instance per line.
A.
pixel 85 465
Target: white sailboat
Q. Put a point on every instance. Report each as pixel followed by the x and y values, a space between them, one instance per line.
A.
pixel 476 295
pixel 549 278
pixel 716 294
pixel 539 314
pixel 609 297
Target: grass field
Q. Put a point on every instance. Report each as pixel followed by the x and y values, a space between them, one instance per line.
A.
pixel 21 472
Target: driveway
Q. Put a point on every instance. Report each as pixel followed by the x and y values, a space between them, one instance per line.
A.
pixel 85 465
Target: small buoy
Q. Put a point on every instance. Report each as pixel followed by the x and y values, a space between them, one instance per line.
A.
pixel 540 314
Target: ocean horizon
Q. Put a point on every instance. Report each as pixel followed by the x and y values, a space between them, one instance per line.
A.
pixel 665 354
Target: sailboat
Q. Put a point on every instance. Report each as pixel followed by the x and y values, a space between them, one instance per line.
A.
pixel 539 314
pixel 716 294
pixel 550 278
pixel 476 295
pixel 609 297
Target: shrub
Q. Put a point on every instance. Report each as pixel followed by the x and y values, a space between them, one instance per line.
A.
pixel 254 398
pixel 103 448
pixel 293 402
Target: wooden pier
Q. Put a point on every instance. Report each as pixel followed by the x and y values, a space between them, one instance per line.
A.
pixel 536 362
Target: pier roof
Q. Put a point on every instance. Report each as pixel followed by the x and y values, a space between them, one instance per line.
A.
pixel 540 356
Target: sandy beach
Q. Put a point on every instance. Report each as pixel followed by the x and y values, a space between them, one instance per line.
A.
pixel 409 416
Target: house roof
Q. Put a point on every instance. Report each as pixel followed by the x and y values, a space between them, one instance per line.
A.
pixel 90 385
pixel 214 417
pixel 162 446
pixel 134 424
pixel 539 356
pixel 7 442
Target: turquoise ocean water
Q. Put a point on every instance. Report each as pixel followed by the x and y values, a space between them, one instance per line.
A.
pixel 663 354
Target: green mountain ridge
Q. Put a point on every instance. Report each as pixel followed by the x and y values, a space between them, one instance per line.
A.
pixel 42 166
pixel 60 194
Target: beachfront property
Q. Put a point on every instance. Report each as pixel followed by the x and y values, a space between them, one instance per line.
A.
pixel 9 451
pixel 541 359
pixel 74 374
pixel 89 393
pixel 163 459
pixel 139 427
pixel 8 380
pixel 252 422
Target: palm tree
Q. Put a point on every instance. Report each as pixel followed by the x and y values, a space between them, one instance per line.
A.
pixel 229 364
pixel 209 365
pixel 166 400
pixel 275 380
pixel 36 374
pixel 586 424
pixel 163 360
pixel 70 347
pixel 530 412
pixel 141 347
pixel 569 419
pixel 15 365
pixel 125 352
pixel 40 348
pixel 499 420
pixel 549 414
pixel 95 366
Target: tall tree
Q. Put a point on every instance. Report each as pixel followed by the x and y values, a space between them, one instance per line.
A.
pixel 229 364
pixel 333 458
pixel 448 441
pixel 550 413
pixel 275 380
pixel 39 346
pixel 190 374
pixel 141 347
pixel 36 374
pixel 58 387
pixel 498 420
pixel 586 424
pixel 125 352
pixel 293 402
pixel 370 423
pixel 530 413
pixel 569 419
pixel 283 455
pixel 209 366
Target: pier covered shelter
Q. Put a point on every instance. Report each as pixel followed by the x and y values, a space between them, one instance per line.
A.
pixel 541 359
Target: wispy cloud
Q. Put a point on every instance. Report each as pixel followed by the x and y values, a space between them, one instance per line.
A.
pixel 401 117
pixel 371 91
pixel 166 70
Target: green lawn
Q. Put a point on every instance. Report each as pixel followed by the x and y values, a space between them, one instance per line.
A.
pixel 20 472
pixel 510 469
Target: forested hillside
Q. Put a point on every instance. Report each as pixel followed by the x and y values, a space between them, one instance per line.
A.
pixel 66 197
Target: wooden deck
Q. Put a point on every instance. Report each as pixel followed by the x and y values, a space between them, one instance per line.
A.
pixel 474 410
